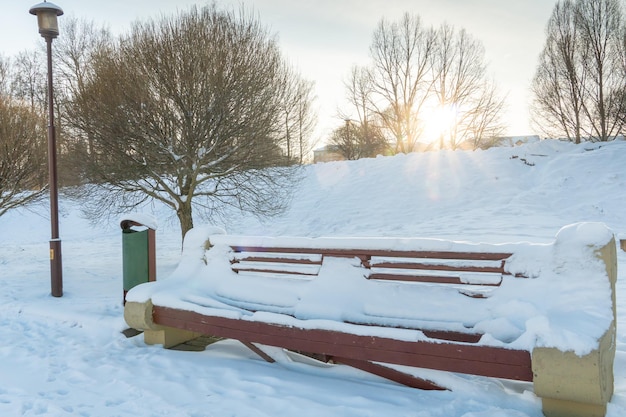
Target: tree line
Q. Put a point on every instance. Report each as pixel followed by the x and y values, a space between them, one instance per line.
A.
pixel 200 110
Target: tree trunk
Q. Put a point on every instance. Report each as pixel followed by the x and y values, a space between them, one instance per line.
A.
pixel 184 217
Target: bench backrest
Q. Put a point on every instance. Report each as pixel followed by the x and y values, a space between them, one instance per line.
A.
pixel 472 272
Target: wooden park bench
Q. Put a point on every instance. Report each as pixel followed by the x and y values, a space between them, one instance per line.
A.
pixel 489 310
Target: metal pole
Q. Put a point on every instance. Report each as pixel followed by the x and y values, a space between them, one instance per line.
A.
pixel 56 268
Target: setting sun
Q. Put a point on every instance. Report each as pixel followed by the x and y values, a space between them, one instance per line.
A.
pixel 438 121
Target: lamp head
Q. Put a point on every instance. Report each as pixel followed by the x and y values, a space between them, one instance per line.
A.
pixel 47 18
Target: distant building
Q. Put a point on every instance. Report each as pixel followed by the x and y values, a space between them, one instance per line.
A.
pixel 512 141
pixel 327 153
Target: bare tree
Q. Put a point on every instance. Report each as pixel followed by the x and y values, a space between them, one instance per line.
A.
pixel 461 89
pixel 299 118
pixel 355 140
pixel 306 119
pixel 5 77
pixel 359 93
pixel 187 110
pixel 28 79
pixel 558 83
pixel 483 126
pixel 368 134
pixel 22 154
pixel 579 80
pixel 400 76
pixel 619 110
pixel 74 53
pixel 345 142
pixel 600 23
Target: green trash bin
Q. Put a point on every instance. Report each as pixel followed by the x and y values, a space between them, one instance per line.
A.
pixel 138 254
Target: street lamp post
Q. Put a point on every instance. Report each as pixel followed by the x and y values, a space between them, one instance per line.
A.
pixel 49 29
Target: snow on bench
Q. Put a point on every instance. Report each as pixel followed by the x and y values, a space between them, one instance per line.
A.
pixel 533 312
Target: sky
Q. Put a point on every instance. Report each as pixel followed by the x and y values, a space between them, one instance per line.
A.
pixel 325 38
pixel 67 357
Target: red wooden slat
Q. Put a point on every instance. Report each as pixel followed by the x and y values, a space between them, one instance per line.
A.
pixel 438 279
pixel 275 260
pixel 438 334
pixel 437 267
pixel 453 336
pixel 271 271
pixel 477 256
pixel 417 278
pixel 454 357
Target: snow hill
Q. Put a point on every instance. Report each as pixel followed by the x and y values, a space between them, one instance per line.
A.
pixel 497 195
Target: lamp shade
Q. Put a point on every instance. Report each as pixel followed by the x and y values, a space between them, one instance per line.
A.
pixel 47 18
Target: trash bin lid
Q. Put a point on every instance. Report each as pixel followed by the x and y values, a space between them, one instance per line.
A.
pixel 138 219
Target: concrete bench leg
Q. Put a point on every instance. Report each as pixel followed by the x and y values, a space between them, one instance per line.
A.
pixel 168 337
pixel 579 386
pixel 575 386
pixel 139 316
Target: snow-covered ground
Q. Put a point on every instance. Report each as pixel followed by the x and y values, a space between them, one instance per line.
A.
pixel 67 356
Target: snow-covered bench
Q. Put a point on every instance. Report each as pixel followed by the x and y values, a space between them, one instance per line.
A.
pixel 532 312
